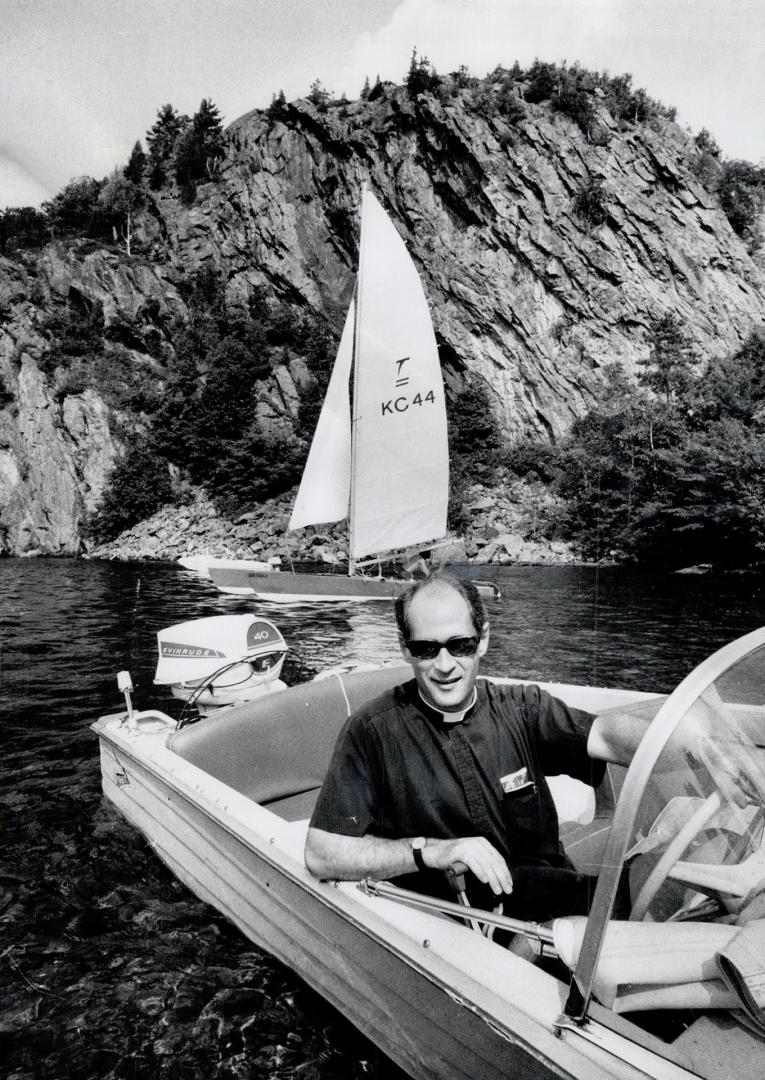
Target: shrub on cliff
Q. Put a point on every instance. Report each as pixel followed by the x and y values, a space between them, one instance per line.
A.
pixel 22 227
pixel 138 485
pixel 77 211
pixel 475 444
pixel 672 471
pixel 591 202
pixel 706 163
pixel 741 189
pixel 542 81
pixel 74 331
pixel 6 394
pixel 573 97
pixel 277 110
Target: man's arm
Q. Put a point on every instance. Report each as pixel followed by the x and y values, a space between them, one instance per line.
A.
pixel 349 858
pixel 615 735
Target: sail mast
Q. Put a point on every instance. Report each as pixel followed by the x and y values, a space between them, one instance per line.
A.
pixel 355 401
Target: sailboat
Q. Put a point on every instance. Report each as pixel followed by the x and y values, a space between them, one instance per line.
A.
pixel 381 461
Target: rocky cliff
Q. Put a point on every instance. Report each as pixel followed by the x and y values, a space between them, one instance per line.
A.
pixel 527 290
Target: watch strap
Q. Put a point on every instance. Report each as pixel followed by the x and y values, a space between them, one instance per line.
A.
pixel 417 849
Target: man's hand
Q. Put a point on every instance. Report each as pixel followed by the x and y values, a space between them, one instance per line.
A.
pixel 717 736
pixel 472 853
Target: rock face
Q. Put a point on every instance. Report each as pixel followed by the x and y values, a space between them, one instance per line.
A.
pixel 523 291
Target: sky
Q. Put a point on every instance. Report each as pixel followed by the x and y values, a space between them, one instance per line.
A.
pixel 81 80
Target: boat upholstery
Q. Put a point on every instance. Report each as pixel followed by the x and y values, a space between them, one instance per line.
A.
pixel 276 750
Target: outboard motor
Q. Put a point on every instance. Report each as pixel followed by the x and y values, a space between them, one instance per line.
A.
pixel 220 660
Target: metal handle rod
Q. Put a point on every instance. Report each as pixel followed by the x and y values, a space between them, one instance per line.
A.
pixel 446 907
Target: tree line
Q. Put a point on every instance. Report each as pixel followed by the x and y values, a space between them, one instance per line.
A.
pixel 183 152
pixel 666 469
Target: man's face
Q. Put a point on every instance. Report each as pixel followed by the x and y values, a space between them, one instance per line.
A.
pixel 439 613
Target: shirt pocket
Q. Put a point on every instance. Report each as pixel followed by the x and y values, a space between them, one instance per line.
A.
pixel 522 816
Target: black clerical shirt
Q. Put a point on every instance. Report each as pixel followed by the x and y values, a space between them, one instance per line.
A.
pixel 399 769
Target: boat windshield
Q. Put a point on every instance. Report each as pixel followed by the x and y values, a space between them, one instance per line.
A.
pixel 688 845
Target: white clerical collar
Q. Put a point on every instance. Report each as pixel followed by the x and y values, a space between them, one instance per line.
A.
pixel 452 717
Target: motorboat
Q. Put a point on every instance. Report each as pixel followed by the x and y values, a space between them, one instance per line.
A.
pixel 675 991
pixel 379 457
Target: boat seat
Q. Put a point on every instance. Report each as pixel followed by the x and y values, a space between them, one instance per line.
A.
pixel 295 807
pixel 585 841
pixel 275 750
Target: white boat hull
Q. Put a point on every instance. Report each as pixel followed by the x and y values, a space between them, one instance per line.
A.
pixel 421 1026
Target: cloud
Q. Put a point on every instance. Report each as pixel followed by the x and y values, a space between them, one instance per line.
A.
pixel 18 187
pixel 481 34
pixel 83 79
pixel 706 58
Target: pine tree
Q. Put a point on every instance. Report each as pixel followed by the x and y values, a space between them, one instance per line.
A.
pixel 318 95
pixel 207 125
pixel 421 76
pixel 161 140
pixel 669 369
pixel 276 109
pixel 136 166
pixel 199 149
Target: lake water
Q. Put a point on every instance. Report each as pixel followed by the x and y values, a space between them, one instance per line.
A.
pixel 109 968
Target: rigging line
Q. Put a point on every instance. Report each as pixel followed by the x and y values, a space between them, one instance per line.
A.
pixel 133 639
pixel 598 582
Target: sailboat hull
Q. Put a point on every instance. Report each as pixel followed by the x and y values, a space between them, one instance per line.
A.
pixel 290 587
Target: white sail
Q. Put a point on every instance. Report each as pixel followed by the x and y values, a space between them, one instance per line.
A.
pixel 324 490
pixel 401 459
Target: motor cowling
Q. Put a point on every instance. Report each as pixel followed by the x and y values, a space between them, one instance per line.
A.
pixel 220 660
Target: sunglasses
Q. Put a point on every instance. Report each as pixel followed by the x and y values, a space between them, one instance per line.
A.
pixel 422 649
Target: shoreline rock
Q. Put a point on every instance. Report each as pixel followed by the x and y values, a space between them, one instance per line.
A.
pixel 501 526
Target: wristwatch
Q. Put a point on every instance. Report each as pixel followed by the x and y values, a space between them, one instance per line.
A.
pixel 419 843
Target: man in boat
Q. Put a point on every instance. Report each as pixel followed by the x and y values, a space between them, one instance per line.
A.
pixel 445 773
